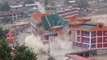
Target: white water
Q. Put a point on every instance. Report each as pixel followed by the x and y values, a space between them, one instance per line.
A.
pixel 40 7
pixel 34 43
pixel 58 47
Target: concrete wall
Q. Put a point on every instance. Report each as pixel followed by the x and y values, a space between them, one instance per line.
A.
pixel 101 52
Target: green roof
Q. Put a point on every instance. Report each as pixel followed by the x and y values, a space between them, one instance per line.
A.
pixel 54 20
pixel 91 23
pixel 86 26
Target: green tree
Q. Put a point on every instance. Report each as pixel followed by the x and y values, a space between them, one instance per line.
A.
pixel 5 50
pixel 24 53
pixel 3 33
pixel 4 6
pixel 21 52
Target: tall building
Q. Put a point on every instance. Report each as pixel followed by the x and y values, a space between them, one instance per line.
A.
pixel 68 11
pixel 90 35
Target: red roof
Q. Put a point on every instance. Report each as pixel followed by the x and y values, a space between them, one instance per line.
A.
pixel 74 18
pixel 71 18
pixel 37 16
pixel 10 37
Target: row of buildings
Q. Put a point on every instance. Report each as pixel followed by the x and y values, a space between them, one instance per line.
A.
pixel 86 34
pixel 87 37
pixel 18 12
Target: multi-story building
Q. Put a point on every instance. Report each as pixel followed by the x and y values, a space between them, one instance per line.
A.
pixel 36 23
pixel 68 11
pixel 90 35
pixel 13 14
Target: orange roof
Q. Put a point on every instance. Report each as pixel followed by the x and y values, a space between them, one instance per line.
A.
pixel 77 57
pixel 104 28
pixel 95 28
pixel 38 15
pixel 71 18
pixel 74 18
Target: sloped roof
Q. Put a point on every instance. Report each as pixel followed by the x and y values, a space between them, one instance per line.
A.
pixel 37 16
pixel 104 28
pixel 74 18
pixel 90 28
pixel 86 26
pixel 92 23
pixel 53 20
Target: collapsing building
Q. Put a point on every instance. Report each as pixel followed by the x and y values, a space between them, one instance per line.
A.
pixel 46 21
pixel 86 35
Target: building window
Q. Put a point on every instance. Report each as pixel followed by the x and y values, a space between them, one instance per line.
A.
pixel 93 33
pixel 99 33
pixel 85 33
pixel 78 39
pixel 93 46
pixel 99 39
pixel 85 45
pixel 93 40
pixel 85 39
pixel 79 45
pixel 99 45
pixel 105 33
pixel 78 32
pixel 105 39
pixel 105 45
